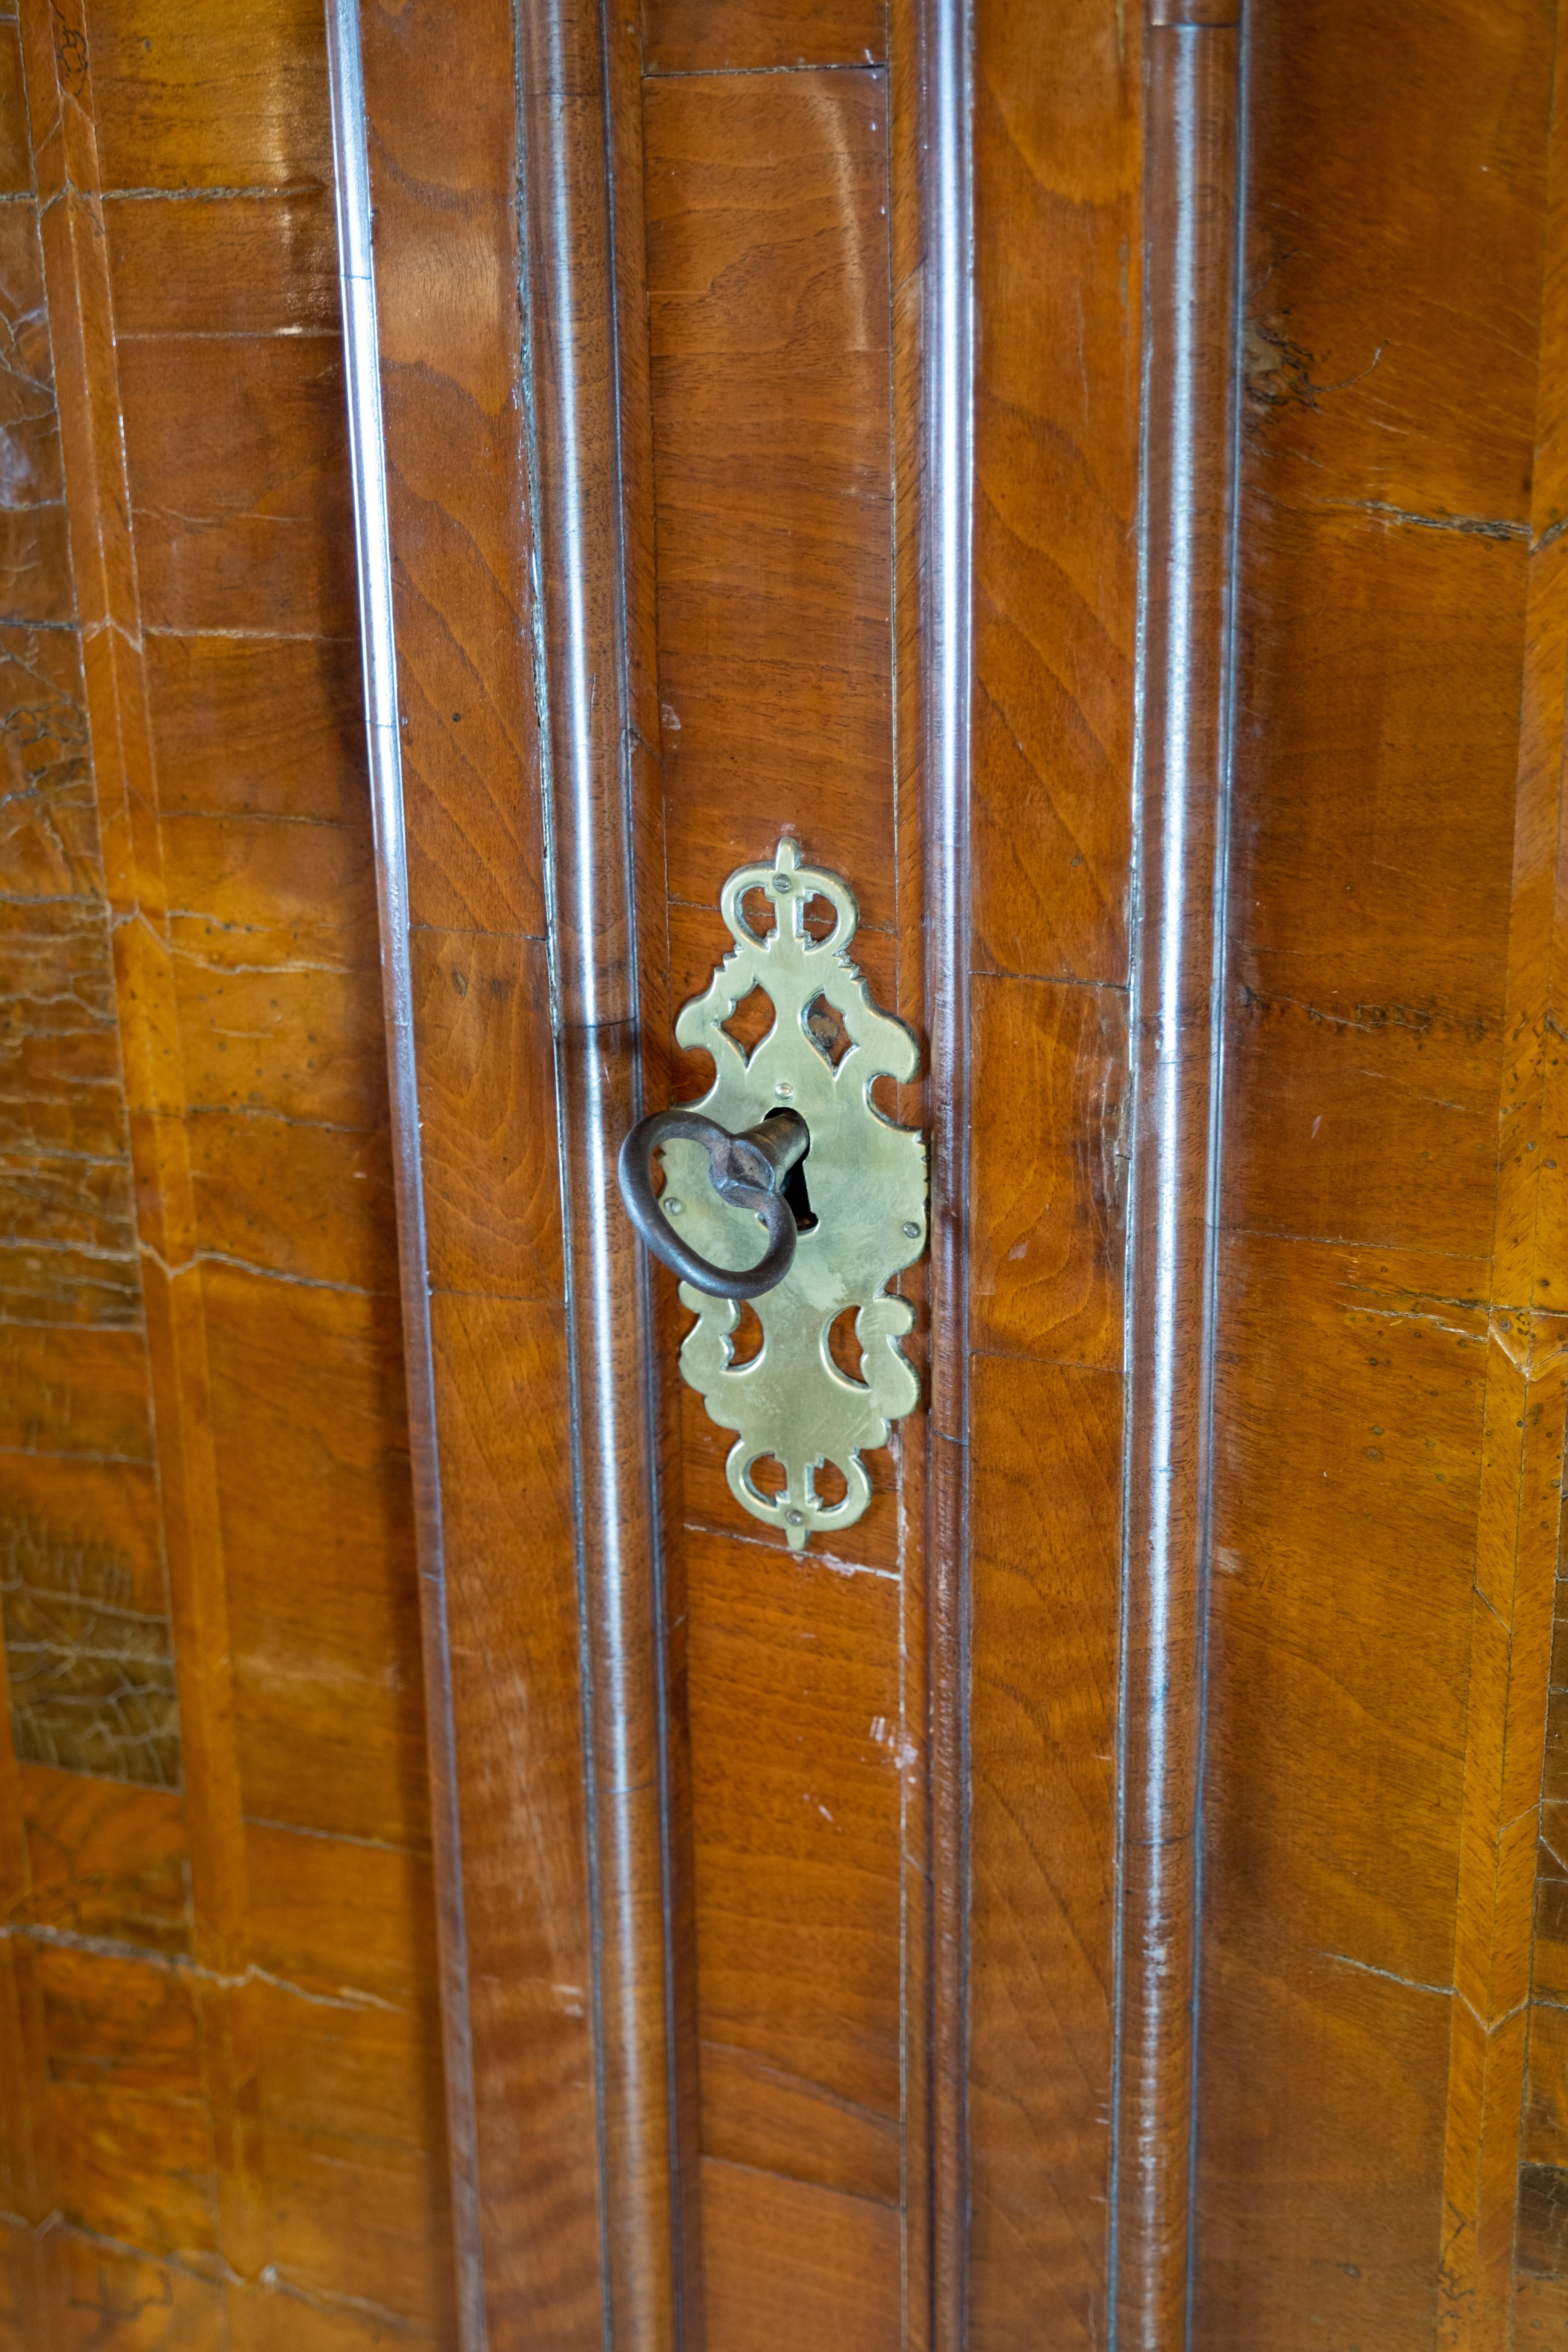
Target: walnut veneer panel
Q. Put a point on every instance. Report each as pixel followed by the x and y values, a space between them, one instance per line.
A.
pixel 771 324
pixel 1369 1714
pixel 757 35
pixel 772 354
pixel 1531 1269
pixel 208 97
pixel 84 1606
pixel 1351 1396
pixel 1048 1510
pixel 767 262
pixel 243 265
pixel 1049 1224
pixel 794 1682
pixel 790 2259
pixel 1058 236
pixel 82 1566
pixel 1058 159
pixel 444 151
pixel 515 1640
pixel 229 2039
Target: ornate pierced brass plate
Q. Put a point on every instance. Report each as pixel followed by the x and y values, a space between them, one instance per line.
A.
pixel 865 1181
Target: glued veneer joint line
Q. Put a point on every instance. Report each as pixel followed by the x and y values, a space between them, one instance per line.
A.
pixel 269 2280
pixel 1052 980
pixel 201 1257
pixel 1472 526
pixel 337 1837
pixel 206 195
pixel 815 1558
pixel 201 636
pixel 230 335
pixel 751 73
pixel 65 1940
pixel 1487 2026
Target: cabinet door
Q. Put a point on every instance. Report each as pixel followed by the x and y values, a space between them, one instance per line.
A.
pixel 1021 460
pixel 1087 484
pixel 715 515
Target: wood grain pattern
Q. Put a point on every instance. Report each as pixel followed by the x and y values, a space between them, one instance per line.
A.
pixel 1352 1390
pixel 1383 1016
pixel 206 98
pixel 790 2259
pixel 258 726
pixel 493 1206
pixel 326 1675
pixel 443 160
pixel 1049 1214
pixel 1045 1643
pixel 257 265
pixel 1519 2181
pixel 74 1346
pixel 771 327
pixel 725 594
pixel 767 260
pixel 1058 159
pixel 15 162
pixel 444 134
pixel 1058 166
pixel 1490 2103
pixel 516 1659
pixel 785 2027
pixel 795 1769
pixel 84 1606
pixel 759 35
pixel 187 1967
pixel 232 448
pixel 29 2167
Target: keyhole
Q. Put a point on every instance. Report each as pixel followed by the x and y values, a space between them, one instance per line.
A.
pixel 795 1190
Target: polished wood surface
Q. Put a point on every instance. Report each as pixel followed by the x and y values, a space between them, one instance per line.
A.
pixel 930 227
pixel 768 334
pixel 1378 1621
pixel 442 168
pixel 593 639
pixel 1519 2181
pixel 1191 163
pixel 1058 136
pixel 847 1943
pixel 767 243
pixel 220 1949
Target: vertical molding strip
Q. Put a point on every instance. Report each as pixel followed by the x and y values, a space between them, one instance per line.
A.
pixel 1191 258
pixel 947 498
pixel 373 549
pixel 575 281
